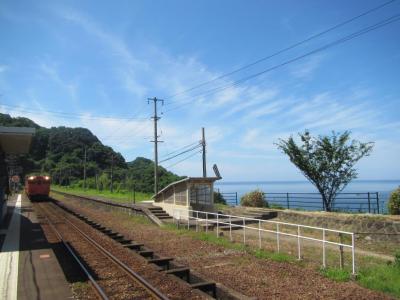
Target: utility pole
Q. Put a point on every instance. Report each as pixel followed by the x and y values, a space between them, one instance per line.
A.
pixel 112 174
pixel 84 171
pixel 156 141
pixel 203 143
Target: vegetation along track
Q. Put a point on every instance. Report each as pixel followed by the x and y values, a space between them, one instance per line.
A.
pixel 114 280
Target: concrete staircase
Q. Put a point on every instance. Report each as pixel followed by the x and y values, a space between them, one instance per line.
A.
pixel 159 213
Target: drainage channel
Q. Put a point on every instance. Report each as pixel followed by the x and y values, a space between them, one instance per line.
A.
pixel 165 264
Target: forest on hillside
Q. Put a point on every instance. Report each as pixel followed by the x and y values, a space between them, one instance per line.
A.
pixel 60 153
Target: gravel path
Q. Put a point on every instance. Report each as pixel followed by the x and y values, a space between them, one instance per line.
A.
pixel 263 279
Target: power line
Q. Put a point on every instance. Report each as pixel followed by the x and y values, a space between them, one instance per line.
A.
pixel 179 154
pixel 347 38
pixel 182 160
pixel 180 149
pixel 285 49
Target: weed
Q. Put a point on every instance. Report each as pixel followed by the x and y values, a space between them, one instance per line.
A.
pixel 336 274
pixel 385 278
pixel 275 256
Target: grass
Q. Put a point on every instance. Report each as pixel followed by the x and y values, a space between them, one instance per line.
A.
pixel 373 273
pixel 336 274
pixel 122 196
pixel 384 278
pixel 226 243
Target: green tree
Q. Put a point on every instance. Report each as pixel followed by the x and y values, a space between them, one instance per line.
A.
pixel 326 161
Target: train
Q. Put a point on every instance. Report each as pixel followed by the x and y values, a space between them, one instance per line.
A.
pixel 37 187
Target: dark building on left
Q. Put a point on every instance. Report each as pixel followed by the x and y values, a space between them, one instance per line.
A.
pixel 13 141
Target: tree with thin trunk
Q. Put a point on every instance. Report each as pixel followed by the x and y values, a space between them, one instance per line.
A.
pixel 326 161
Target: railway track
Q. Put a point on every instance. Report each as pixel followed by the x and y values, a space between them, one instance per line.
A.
pixel 110 277
pixel 200 287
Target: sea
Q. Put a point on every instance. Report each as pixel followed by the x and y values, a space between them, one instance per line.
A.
pixel 296 189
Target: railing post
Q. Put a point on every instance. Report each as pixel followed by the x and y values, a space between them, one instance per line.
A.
pixel 197 221
pixel 298 242
pixel 217 227
pixel 230 227
pixel 244 231
pixel 206 222
pixel 188 220
pixel 353 254
pixel 277 237
pixel 377 201
pixel 323 249
pixel 287 200
pixel 369 203
pixel 259 234
pixel 236 198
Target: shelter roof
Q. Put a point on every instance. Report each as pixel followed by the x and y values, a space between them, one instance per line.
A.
pixel 16 140
pixel 187 179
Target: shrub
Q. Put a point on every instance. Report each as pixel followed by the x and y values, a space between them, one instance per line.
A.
pixel 394 202
pixel 218 198
pixel 254 199
pixel 397 259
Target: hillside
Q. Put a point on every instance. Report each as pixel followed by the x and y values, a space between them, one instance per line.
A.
pixel 59 152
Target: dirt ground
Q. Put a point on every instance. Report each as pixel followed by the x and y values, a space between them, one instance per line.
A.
pixel 260 278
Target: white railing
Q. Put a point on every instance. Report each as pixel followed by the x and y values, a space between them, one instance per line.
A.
pixel 216 219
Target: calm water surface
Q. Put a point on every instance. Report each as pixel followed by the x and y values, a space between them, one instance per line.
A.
pixel 383 187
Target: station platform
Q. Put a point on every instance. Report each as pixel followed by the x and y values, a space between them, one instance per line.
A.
pixel 30 266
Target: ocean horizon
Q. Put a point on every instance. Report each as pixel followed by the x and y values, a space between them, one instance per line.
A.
pixel 382 187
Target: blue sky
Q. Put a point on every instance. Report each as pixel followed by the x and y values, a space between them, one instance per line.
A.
pixel 94 59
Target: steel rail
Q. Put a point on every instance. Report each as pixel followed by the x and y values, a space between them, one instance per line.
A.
pixel 99 291
pixel 135 276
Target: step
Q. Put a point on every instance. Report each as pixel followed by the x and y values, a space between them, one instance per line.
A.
pixel 206 286
pixel 162 261
pixel 133 246
pixel 118 237
pixel 125 241
pixel 182 273
pixel 146 253
pixel 160 214
pixel 164 217
pixel 112 234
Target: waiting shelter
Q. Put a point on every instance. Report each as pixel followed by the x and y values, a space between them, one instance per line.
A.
pixel 13 140
pixel 196 193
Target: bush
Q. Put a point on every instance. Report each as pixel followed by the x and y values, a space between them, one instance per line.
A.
pixel 218 198
pixel 394 202
pixel 397 259
pixel 254 199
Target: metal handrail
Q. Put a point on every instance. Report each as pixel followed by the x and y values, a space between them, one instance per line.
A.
pixel 225 219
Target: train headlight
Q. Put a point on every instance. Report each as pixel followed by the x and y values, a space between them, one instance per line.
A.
pixel 46 177
pixel 31 177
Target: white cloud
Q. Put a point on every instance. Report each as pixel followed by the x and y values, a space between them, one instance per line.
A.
pixel 51 71
pixel 306 68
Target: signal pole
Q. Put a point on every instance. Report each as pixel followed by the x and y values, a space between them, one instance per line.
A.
pixel 156 141
pixel 203 143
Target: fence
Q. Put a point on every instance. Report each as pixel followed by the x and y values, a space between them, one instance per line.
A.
pixel 217 219
pixel 353 202
pixel 231 198
pixel 356 202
